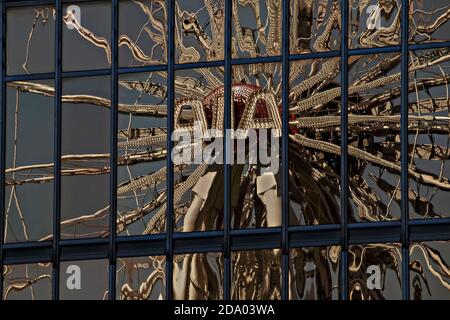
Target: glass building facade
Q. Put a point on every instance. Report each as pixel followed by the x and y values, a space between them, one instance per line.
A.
pixel 348 197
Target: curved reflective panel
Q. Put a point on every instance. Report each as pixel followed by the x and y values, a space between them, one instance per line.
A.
pixel 199 30
pixel 374 137
pixel 314 26
pixel 142 153
pixel 85 157
pixel 374 23
pixel 30 40
pixel 141 278
pixel 314 273
pixel 86 33
pixel 83 280
pixel 29 159
pixel 429 140
pixel 142 33
pixel 27 281
pixel 374 271
pixel 429 270
pixel 314 141
pixel 429 21
pixel 198 276
pixel 256 275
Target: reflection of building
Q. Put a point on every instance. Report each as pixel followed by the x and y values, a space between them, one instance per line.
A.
pixel 92 94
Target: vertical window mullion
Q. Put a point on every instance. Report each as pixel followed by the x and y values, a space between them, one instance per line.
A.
pixel 113 149
pixel 2 139
pixel 344 154
pixel 57 150
pixel 170 113
pixel 404 148
pixel 227 156
pixel 285 153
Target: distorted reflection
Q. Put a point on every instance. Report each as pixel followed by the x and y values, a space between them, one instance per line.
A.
pixel 256 275
pixel 142 152
pixel 199 30
pixel 141 278
pixel 314 25
pixel 29 161
pixel 429 270
pixel 256 28
pixel 374 272
pixel 374 23
pixel 198 276
pixel 429 21
pixel 314 273
pixel 27 281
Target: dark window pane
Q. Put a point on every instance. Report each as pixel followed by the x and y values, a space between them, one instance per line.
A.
pixel 374 272
pixel 198 276
pixel 142 152
pixel 27 281
pixel 30 40
pixel 85 157
pixel 314 152
pixel 256 275
pixel 255 117
pixel 429 139
pixel 199 30
pixel 141 278
pixel 198 179
pixel 315 26
pixel 314 273
pixel 83 280
pixel 374 23
pixel 142 33
pixel 429 21
pixel 374 137
pixel 256 28
pixel 86 36
pixel 29 161
pixel 429 270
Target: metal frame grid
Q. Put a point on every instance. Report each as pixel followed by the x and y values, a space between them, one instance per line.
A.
pixel 284 237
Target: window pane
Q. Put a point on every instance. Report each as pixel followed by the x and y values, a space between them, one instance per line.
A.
pixel 256 275
pixel 256 28
pixel 198 158
pixel 142 33
pixel 314 273
pixel 429 134
pixel 198 276
pixel 199 30
pixel 29 161
pixel 27 281
pixel 142 153
pixel 374 272
pixel 141 278
pixel 374 23
pixel 85 157
pixel 429 21
pixel 429 270
pixel 86 36
pixel 30 39
pixel 83 280
pixel 256 175
pixel 314 151
pixel 374 137
pixel 315 26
